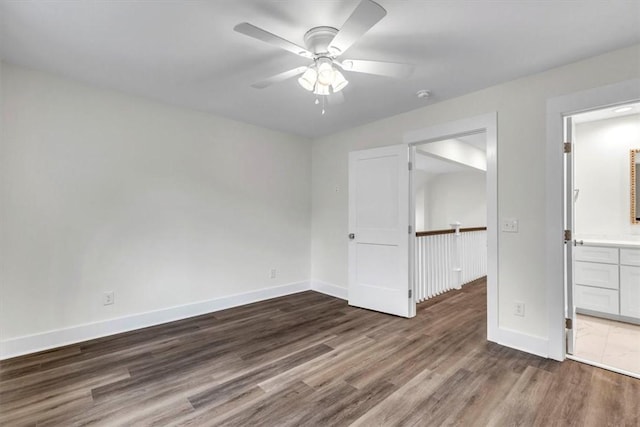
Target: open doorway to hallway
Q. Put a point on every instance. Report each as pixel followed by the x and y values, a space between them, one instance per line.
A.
pixel 486 124
pixel 450 193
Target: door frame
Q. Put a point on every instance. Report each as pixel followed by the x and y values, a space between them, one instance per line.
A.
pixel 569 218
pixel 557 109
pixel 487 123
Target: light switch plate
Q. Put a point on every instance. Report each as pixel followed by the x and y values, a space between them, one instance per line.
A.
pixel 509 225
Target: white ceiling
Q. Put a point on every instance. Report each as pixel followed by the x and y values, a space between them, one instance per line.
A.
pixel 435 165
pixel 477 140
pixel 186 52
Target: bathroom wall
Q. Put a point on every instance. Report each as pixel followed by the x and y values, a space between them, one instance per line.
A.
pixel 602 176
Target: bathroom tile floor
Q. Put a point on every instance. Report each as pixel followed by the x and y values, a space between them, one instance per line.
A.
pixel 611 343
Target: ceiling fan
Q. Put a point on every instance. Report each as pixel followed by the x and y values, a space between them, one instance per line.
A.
pixel 323 46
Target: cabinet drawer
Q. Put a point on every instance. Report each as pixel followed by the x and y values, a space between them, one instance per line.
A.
pixel 596 254
pixel 630 256
pixel 630 291
pixel 595 274
pixel 597 299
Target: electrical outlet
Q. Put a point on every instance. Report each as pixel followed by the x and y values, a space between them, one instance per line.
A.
pixel 272 273
pixel 509 225
pixel 108 298
pixel 518 309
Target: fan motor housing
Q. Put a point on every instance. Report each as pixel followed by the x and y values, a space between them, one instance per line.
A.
pixel 317 39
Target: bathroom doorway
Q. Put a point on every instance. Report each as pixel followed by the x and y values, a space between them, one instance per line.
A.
pixel 603 251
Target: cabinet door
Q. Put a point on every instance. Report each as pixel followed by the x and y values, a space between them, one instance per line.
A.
pixel 597 299
pixel 595 274
pixel 630 291
pixel 630 256
pixel 596 254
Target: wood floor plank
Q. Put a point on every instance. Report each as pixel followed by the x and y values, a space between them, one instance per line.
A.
pixel 222 392
pixel 520 406
pixel 319 365
pixel 349 408
pixel 308 360
pixel 403 404
pixel 271 409
pixel 607 390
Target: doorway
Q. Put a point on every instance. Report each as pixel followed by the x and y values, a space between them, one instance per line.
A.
pixel 486 125
pixel 450 197
pixel 603 253
pixel 558 108
pixel 377 238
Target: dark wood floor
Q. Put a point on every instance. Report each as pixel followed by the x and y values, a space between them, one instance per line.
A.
pixel 309 359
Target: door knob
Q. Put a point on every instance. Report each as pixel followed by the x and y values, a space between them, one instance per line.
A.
pixel 352 236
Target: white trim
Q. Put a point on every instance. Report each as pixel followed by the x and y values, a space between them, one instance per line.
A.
pixel 523 342
pixel 603 366
pixel 61 337
pixel 557 109
pixel 329 289
pixel 483 123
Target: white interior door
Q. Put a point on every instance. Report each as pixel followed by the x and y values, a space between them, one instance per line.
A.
pixel 379 230
pixel 570 309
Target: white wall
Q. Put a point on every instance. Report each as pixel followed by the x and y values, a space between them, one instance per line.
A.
pixel 455 197
pixel 165 206
pixel 602 174
pixel 458 152
pixel 104 191
pixel 421 188
pixel 521 107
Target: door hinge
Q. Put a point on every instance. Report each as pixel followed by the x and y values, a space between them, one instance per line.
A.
pixel 568 323
pixel 567 235
pixel 567 147
pixel 410 293
pixel 410 229
pixel 410 166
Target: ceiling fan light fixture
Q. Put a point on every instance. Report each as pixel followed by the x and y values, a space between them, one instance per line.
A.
pixel 326 72
pixel 339 82
pixel 308 79
pixel 321 89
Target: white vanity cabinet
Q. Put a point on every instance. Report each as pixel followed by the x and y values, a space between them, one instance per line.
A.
pixel 630 282
pixel 607 281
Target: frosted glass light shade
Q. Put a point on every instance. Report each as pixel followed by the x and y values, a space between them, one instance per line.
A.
pixel 339 82
pixel 326 72
pixel 308 79
pixel 321 89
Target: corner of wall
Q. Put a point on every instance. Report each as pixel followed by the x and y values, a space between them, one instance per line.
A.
pixel 329 289
pixel 523 342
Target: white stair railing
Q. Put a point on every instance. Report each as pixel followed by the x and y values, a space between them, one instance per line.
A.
pixel 449 259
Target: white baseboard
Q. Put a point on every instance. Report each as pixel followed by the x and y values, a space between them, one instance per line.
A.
pixel 523 342
pixel 329 289
pixel 57 338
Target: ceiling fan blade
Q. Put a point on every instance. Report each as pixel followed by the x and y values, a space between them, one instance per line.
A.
pixel 336 98
pixel 260 34
pixel 365 16
pixel 388 69
pixel 279 78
